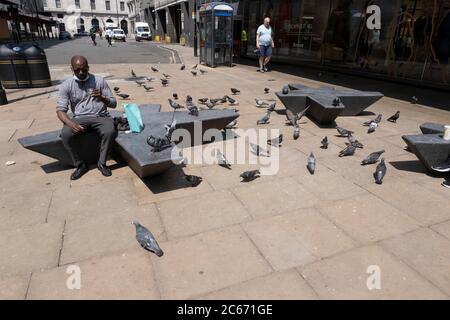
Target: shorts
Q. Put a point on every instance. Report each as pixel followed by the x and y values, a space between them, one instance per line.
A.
pixel 265 51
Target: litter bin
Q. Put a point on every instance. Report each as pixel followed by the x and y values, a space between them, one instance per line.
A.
pixel 23 66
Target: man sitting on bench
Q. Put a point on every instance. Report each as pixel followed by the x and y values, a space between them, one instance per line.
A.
pixel 89 97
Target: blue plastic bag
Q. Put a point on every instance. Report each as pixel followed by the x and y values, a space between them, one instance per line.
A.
pixel 134 117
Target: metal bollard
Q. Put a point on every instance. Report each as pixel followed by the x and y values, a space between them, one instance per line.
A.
pixel 3 99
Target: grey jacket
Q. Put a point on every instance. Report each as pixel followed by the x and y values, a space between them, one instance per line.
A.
pixel 77 94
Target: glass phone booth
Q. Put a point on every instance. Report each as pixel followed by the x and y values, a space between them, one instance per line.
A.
pixel 216 34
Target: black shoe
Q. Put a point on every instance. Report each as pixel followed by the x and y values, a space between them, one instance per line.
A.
pixel 446 184
pixel 104 170
pixel 79 172
pixel 443 167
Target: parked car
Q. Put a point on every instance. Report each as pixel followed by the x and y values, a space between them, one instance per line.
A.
pixel 64 35
pixel 81 34
pixel 119 34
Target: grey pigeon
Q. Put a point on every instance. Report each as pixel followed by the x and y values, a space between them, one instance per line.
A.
pixel 175 105
pixel 133 74
pixel 140 82
pixel 265 119
pixel 193 110
pixel 377 120
pixel 116 89
pixel 147 88
pixel 154 69
pixel 257 150
pixel 372 158
pixel 150 79
pixel 194 66
pixel 203 100
pixel 231 100
pixel 260 103
pixel 189 99
pixel 380 172
pixel 158 144
pixel 210 104
pixel 276 142
pixel 222 161
pixel 193 180
pixel 183 66
pixel 146 239
pixel 348 151
pixel 231 125
pixel 235 91
pixel 395 117
pixel 373 126
pixel 296 134
pixel 311 163
pixel 343 132
pixel 272 106
pixel 216 100
pixel 166 75
pixel 248 176
pixel 175 96
pixel 266 90
pixel 324 143
pixel 354 141
pixel 123 95
pixel 194 73
pixel 224 99
pixel 203 71
pixel 164 82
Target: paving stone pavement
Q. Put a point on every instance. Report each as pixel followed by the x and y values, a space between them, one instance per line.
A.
pixel 291 235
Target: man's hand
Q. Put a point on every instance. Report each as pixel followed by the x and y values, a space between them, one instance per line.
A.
pixel 257 46
pixel 97 94
pixel 76 128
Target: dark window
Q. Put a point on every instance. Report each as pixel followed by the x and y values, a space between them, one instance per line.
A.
pixel 93 4
pixel 108 5
pixel 58 3
pixel 122 6
pixel 77 3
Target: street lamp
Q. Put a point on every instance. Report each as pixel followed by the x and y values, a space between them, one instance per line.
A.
pixel 195 29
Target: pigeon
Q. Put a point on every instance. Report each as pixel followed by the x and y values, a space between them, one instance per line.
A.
pixel 166 75
pixel 188 99
pixel 380 172
pixel 265 119
pixel 140 82
pixel 183 66
pixel 276 142
pixel 348 151
pixel 222 161
pixel 257 150
pixel 224 99
pixel 235 91
pixel 324 143
pixel 296 134
pixel 170 129
pixel 376 120
pixel 373 126
pixel 260 103
pixel 133 74
pixel 311 163
pixel 301 114
pixel 216 100
pixel 210 104
pixel 414 100
pixel 372 158
pixel 271 107
pixel 266 90
pixel 148 88
pixel 203 100
pixel 194 66
pixel 157 143
pixel 154 69
pixel 116 89
pixel 193 110
pixel 285 90
pixel 175 96
pixel 248 176
pixel 175 105
pixel 231 125
pixel 193 180
pixel 164 82
pixel 231 101
pixel 150 79
pixel 336 102
pixel 343 132
pixel 354 142
pixel 194 73
pixel 203 71
pixel 395 117
pixel 146 239
pixel 123 95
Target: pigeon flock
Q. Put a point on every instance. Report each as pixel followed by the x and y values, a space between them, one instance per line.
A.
pixel 145 237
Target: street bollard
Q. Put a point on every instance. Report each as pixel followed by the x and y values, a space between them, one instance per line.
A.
pixel 3 99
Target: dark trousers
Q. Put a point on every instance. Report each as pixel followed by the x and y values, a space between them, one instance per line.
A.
pixel 109 40
pixel 104 126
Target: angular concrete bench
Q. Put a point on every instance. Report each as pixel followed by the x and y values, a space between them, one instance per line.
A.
pixel 430 149
pixel 353 101
pixel 133 147
pixel 432 128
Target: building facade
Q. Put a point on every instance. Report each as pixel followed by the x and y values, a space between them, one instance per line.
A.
pixel 81 15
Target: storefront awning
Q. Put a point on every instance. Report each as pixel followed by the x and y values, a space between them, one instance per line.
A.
pixel 169 4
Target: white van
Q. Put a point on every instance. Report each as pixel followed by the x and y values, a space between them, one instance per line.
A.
pixel 142 31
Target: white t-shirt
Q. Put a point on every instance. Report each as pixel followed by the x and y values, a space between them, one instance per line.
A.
pixel 265 35
pixel 109 33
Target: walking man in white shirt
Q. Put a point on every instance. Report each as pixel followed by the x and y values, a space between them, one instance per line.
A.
pixel 265 44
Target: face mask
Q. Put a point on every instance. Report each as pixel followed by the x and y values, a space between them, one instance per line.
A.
pixel 78 79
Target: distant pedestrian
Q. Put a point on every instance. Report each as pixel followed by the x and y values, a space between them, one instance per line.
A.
pixel 108 36
pixel 93 35
pixel 100 32
pixel 265 44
